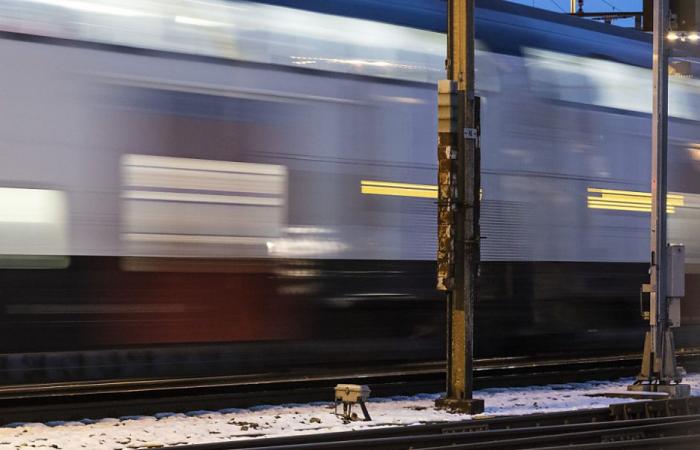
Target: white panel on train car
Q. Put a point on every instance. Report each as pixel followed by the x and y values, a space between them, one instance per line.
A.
pixel 33 228
pixel 183 207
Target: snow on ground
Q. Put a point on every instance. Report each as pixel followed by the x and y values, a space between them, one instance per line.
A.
pixel 211 426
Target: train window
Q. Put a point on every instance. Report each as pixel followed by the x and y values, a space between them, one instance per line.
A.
pixel 606 83
pixel 185 207
pixel 684 98
pixel 559 77
pixel 487 71
pixel 33 228
pixel 229 103
pixel 241 30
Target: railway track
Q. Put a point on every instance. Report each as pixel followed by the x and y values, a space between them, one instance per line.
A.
pixel 116 398
pixel 678 427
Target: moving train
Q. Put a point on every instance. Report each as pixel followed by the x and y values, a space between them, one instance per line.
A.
pixel 203 187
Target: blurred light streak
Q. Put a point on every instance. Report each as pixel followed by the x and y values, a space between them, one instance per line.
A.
pixel 303 60
pixel 193 239
pixel 308 230
pixel 201 198
pixel 305 247
pixel 398 189
pixel 94 7
pixel 694 151
pixel 188 20
pixel 200 164
pixel 635 201
pixel 403 100
pixel 306 241
pixel 108 308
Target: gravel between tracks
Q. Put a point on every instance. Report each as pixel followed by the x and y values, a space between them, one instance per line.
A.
pixel 211 426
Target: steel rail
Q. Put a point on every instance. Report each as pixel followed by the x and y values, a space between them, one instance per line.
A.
pixel 439 436
pixel 567 436
pixel 115 398
pixel 487 369
pixel 429 437
pixel 666 443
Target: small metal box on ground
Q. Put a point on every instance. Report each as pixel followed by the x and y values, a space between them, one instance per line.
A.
pixel 349 395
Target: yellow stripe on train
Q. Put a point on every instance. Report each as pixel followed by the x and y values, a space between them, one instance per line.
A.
pixel 399 189
pixel 617 200
pixel 402 189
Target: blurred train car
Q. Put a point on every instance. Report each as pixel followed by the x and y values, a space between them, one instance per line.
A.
pixel 208 187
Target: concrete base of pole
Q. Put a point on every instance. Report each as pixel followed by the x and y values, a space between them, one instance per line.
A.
pixel 461 405
pixel 672 390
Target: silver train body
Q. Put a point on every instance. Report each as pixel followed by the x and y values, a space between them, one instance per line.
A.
pixel 557 127
pixel 182 138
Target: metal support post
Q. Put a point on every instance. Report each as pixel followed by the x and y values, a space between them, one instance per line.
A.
pixel 458 205
pixel 659 371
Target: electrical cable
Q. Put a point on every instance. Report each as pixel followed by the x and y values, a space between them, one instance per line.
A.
pixel 610 5
pixel 558 6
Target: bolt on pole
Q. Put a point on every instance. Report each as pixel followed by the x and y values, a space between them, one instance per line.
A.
pixel 659 371
pixel 458 205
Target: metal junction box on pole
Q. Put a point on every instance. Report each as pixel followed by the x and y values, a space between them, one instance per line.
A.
pixel 676 270
pixel 675 288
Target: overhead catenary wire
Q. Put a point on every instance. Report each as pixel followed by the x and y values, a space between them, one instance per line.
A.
pixel 558 6
pixel 610 5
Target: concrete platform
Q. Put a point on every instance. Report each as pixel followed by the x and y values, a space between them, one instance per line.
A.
pixel 673 390
pixel 649 392
pixel 638 395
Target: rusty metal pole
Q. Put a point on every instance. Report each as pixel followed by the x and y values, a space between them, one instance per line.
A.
pixel 458 205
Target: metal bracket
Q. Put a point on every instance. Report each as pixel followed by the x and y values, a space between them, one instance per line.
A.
pixel 450 152
pixel 471 133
